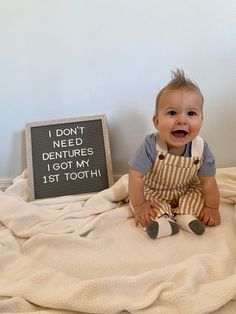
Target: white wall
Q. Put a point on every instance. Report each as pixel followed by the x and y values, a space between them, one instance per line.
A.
pixel 70 58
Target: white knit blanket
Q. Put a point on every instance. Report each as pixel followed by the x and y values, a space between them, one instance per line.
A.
pixel 78 254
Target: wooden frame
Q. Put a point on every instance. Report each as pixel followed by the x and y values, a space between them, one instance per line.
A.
pixel 58 149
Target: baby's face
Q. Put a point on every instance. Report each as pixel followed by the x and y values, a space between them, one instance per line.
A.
pixel 179 117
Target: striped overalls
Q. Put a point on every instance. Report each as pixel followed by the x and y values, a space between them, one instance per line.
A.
pixel 172 183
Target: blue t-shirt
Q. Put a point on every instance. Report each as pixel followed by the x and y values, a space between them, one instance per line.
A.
pixel 143 159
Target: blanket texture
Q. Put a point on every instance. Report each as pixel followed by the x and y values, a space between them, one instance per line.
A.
pixel 83 254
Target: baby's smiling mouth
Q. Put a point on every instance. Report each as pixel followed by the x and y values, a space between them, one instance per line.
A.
pixel 179 133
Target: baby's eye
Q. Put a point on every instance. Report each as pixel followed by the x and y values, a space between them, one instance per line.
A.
pixel 192 113
pixel 171 113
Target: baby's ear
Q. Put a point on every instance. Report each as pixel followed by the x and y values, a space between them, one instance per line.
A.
pixel 155 120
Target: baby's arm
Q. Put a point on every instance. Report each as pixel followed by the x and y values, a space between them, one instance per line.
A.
pixel 143 209
pixel 210 214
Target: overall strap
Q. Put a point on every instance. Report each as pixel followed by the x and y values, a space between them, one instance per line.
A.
pixel 161 146
pixel 197 147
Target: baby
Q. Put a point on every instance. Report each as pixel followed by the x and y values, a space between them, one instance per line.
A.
pixel 172 174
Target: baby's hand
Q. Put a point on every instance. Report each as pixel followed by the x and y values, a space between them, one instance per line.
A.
pixel 144 213
pixel 209 216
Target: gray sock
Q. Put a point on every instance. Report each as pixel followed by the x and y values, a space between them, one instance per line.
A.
pixel 190 223
pixel 161 227
pixel 197 227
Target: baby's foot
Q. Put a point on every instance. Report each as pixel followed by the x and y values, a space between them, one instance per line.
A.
pixel 162 227
pixel 190 223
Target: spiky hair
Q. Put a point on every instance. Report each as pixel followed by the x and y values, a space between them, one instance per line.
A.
pixel 179 81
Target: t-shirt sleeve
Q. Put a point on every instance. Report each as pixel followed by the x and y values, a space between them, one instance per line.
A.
pixel 143 159
pixel 208 168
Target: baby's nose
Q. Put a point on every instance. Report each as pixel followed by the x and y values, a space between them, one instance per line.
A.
pixel 181 118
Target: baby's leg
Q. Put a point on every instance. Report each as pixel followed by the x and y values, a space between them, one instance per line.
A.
pixel 190 223
pixel 162 227
pixel 190 205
